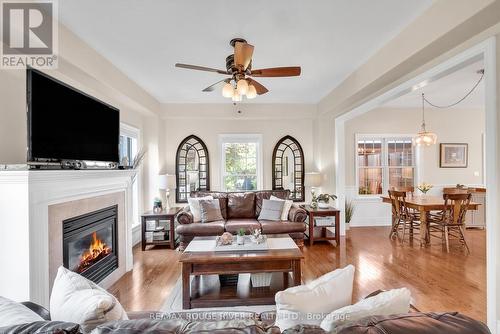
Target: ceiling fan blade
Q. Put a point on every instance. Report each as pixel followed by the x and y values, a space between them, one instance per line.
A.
pixel 212 87
pixel 242 55
pixel 200 68
pixel 277 72
pixel 258 87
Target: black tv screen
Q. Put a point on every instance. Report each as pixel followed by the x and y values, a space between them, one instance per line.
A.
pixel 67 124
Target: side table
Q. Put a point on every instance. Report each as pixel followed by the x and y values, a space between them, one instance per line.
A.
pixel 159 218
pixel 317 212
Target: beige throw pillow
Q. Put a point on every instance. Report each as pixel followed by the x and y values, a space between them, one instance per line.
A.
pixel 79 300
pixel 210 211
pixel 194 207
pixel 271 210
pixel 390 302
pixel 286 207
pixel 309 304
pixel 13 313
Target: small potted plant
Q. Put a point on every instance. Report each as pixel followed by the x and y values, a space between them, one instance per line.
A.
pixel 424 187
pixel 240 237
pixel 322 201
pixel 349 212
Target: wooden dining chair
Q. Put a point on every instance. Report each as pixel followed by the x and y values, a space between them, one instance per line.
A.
pixel 452 191
pixel 409 190
pixel 402 218
pixel 451 221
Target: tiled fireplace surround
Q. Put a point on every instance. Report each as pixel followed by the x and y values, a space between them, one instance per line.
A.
pixel 33 205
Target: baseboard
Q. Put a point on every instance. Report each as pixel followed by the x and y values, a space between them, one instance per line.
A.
pixel 136 235
pixel 375 221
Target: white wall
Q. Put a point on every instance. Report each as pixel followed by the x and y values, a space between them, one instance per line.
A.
pixel 273 121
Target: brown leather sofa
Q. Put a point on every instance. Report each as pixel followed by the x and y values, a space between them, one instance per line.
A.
pixel 241 210
pixel 188 322
pixel 246 322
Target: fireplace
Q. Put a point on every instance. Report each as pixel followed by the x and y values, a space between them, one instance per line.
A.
pixel 90 243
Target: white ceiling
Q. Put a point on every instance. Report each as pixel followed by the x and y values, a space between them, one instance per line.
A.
pixel 447 90
pixel 328 38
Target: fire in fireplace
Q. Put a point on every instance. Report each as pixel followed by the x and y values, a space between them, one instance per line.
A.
pixel 96 251
pixel 90 243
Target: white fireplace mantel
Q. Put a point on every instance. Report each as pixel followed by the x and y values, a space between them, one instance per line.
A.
pixel 25 197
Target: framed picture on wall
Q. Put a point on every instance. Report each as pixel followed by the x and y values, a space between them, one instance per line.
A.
pixel 453 155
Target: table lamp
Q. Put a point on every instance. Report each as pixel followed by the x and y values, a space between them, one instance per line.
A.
pixel 313 180
pixel 166 183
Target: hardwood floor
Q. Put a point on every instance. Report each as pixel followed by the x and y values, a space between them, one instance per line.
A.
pixel 438 281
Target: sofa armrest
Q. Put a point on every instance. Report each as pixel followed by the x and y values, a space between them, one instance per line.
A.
pixel 185 216
pixel 40 310
pixel 297 214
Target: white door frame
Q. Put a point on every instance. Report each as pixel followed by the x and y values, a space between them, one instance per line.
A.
pixel 487 51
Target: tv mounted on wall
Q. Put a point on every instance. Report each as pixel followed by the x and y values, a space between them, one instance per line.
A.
pixel 67 124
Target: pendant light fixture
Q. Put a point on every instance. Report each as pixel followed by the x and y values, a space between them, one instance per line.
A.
pixel 424 137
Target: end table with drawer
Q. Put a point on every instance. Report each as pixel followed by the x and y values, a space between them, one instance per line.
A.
pixel 161 223
pixel 326 234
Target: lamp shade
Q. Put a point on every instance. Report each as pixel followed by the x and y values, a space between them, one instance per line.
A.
pixel 313 179
pixel 166 181
pixel 252 92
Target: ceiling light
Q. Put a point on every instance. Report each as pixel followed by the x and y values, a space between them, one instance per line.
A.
pixel 252 92
pixel 227 90
pixel 236 96
pixel 242 86
pixel 424 137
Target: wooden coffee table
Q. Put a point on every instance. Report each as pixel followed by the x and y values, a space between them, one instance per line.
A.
pixel 199 258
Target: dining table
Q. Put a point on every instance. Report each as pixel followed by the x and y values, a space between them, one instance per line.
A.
pixel 425 204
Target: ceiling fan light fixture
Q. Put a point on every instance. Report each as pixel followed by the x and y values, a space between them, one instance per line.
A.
pixel 242 87
pixel 227 90
pixel 236 96
pixel 252 92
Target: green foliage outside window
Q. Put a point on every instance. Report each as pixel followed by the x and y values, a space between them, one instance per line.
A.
pixel 240 166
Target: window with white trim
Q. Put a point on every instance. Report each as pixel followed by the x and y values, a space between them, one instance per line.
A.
pixel 129 142
pixel 241 162
pixel 384 162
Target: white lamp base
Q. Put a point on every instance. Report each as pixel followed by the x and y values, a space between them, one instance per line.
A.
pixel 167 204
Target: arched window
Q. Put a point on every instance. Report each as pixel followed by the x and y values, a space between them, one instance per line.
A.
pixel 191 168
pixel 288 167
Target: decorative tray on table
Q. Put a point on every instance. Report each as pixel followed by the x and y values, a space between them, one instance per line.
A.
pixel 250 244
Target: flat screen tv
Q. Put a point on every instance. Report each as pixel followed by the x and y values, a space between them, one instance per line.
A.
pixel 67 124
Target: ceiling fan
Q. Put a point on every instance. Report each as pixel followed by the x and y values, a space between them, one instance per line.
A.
pixel 239 68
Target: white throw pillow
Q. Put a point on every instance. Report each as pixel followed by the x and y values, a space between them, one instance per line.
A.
pixel 79 300
pixel 385 303
pixel 194 206
pixel 13 313
pixel 311 303
pixel 286 207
